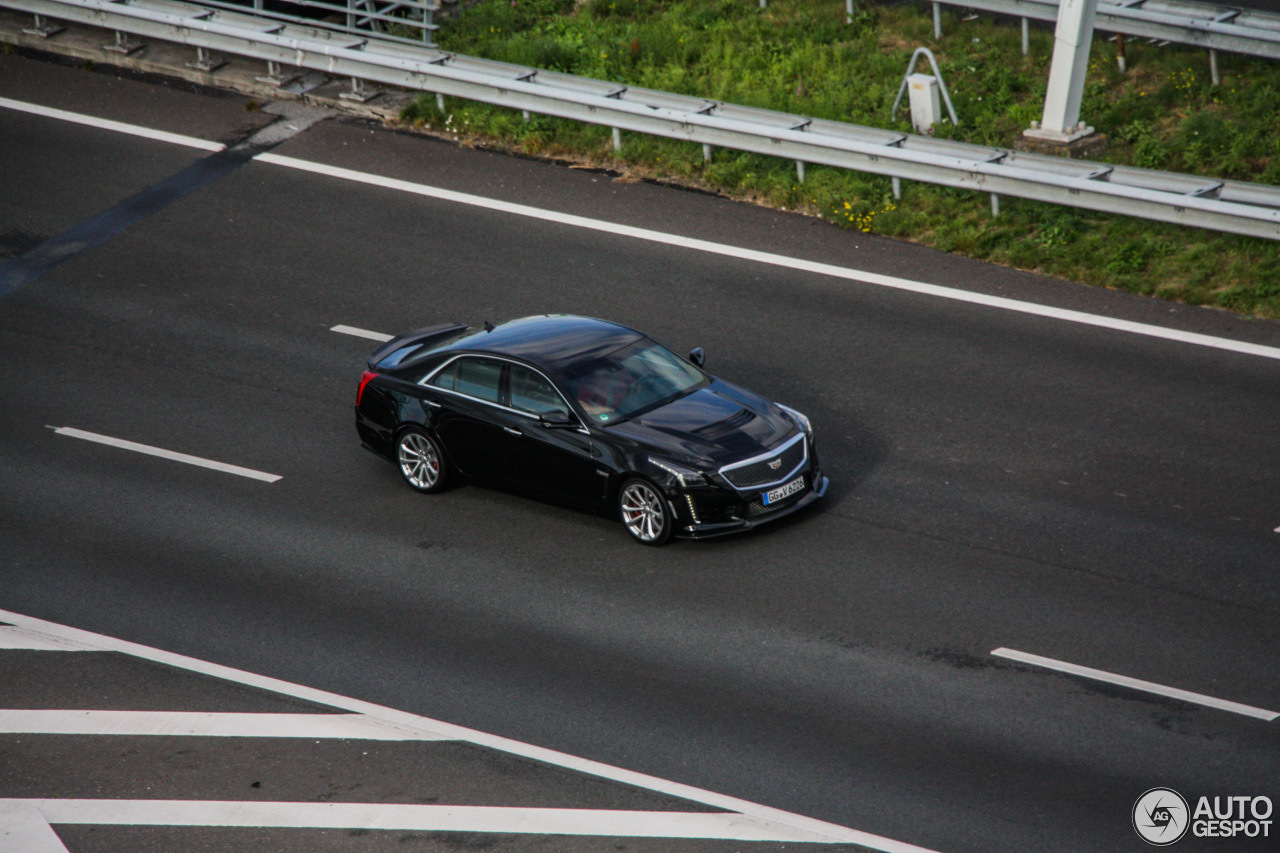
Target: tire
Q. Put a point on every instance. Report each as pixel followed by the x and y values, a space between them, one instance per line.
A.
pixel 645 512
pixel 420 461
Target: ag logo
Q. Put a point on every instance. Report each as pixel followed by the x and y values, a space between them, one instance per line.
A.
pixel 1161 816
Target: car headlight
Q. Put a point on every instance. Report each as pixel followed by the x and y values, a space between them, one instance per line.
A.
pixel 800 419
pixel 684 475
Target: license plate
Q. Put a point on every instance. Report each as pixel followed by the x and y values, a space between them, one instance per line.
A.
pixel 785 491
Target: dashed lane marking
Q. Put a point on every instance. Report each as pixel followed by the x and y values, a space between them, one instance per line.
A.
pixel 167 454
pixel 737 819
pixel 200 724
pixel 361 333
pixel 1137 684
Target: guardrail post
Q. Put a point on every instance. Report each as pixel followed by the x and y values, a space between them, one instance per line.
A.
pixel 706 153
pixel 617 139
pixel 937 22
pixel 43 28
pixel 440 102
pixel 274 75
pixel 800 170
pixel 1026 37
pixel 1213 68
pixel 524 114
pixel 897 187
pixel 848 11
pixel 123 45
pixel 995 205
pixel 358 92
pixel 206 61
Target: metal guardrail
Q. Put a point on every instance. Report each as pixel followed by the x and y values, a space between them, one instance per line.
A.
pixel 1247 31
pixel 1229 206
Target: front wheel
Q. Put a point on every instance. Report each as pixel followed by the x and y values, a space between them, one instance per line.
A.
pixel 645 513
pixel 420 461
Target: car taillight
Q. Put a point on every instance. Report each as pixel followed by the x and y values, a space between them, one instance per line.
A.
pixel 364 380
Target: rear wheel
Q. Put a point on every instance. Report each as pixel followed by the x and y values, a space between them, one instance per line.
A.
pixel 420 461
pixel 645 512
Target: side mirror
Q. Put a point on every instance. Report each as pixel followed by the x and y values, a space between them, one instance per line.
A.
pixel 698 356
pixel 558 420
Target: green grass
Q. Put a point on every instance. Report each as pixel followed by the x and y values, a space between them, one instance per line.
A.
pixel 799 56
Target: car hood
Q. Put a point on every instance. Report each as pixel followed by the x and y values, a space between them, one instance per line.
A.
pixel 713 426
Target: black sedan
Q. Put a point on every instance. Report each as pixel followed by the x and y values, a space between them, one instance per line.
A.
pixel 591 413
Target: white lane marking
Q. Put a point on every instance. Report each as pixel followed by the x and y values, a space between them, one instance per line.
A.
pixel 24 830
pixel 14 638
pixel 198 724
pixel 168 454
pixel 108 124
pixel 746 811
pixel 846 273
pixel 400 817
pixel 361 333
pixel 1137 684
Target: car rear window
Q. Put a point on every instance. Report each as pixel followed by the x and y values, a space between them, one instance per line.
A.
pixel 475 377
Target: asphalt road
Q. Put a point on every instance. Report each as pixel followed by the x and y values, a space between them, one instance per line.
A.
pixel 1000 480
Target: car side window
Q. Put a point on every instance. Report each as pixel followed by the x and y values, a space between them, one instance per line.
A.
pixel 532 393
pixel 475 377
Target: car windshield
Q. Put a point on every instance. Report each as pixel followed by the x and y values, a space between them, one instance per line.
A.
pixel 630 381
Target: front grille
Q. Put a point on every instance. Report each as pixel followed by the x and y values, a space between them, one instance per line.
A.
pixel 759 473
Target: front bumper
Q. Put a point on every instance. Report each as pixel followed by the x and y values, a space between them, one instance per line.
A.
pixel 699 518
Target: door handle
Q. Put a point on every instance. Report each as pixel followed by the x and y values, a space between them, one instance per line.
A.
pixel 512 431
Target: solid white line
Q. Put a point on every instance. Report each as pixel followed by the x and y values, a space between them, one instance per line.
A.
pixel 361 333
pixel 845 273
pixel 199 724
pixel 168 454
pixel 24 830
pixel 116 126
pixel 13 638
pixel 420 818
pixel 1137 684
pixel 826 832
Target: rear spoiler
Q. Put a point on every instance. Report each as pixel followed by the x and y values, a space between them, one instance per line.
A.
pixel 425 335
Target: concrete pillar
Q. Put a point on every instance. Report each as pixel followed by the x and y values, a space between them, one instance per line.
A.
pixel 1071 43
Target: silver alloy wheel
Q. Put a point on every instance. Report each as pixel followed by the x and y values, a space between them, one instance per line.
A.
pixel 644 512
pixel 419 460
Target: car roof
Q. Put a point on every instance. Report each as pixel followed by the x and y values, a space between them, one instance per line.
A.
pixel 553 341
